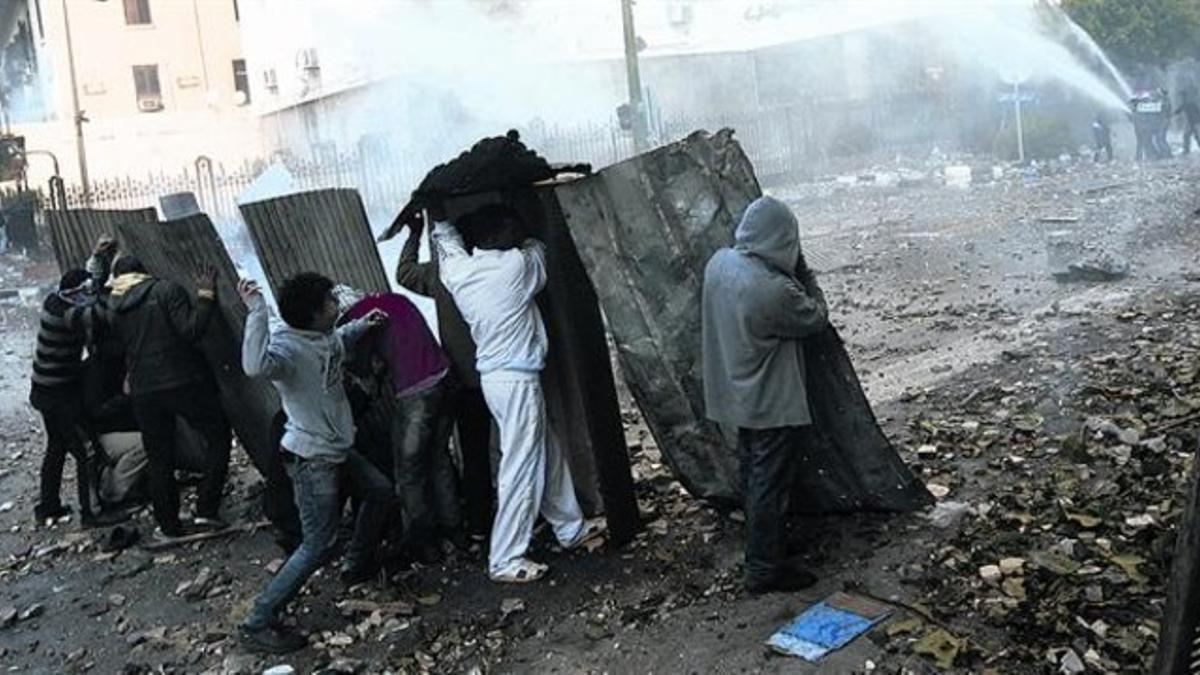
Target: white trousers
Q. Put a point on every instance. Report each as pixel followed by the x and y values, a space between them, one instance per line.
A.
pixel 533 477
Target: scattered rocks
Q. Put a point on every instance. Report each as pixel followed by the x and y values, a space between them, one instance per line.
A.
pixel 31 612
pixel 990 572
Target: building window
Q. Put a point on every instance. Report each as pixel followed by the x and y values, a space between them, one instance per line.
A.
pixel 241 81
pixel 149 95
pixel 137 12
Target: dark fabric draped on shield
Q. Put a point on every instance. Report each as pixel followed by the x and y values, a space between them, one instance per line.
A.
pixel 492 165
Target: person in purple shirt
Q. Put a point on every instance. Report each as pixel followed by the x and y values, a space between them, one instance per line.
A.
pixel 425 477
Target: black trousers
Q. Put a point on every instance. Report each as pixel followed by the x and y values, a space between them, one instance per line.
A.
pixel 63 419
pixel 768 472
pixel 199 405
pixel 473 421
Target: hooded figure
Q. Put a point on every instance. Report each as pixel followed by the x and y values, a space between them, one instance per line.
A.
pixel 755 313
pixel 756 310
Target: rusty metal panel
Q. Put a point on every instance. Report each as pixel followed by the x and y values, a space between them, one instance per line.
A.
pixel 684 199
pixel 176 250
pixel 323 231
pixel 645 229
pixel 74 232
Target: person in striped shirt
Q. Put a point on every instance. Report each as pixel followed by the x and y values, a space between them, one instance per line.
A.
pixel 67 319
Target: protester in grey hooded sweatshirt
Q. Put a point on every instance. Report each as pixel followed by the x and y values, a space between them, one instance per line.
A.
pixel 304 360
pixel 759 302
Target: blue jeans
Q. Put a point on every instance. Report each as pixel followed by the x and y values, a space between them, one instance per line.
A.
pixel 316 483
pixel 426 480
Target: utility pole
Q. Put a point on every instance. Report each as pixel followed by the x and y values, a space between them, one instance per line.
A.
pixel 634 79
pixel 1020 130
pixel 78 114
pixel 200 45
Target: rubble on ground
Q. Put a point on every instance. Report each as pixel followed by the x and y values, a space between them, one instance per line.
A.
pixel 1074 473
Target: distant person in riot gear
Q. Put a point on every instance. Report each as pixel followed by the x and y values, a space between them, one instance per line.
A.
pixel 1191 120
pixel 1163 124
pixel 1102 134
pixel 759 302
pixel 1145 112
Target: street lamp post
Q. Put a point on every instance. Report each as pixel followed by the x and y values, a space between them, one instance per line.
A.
pixel 81 150
pixel 634 78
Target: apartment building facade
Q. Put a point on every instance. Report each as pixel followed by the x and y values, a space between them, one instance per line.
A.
pixel 158 84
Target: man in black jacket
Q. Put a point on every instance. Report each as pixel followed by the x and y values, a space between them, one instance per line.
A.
pixel 160 326
pixel 472 418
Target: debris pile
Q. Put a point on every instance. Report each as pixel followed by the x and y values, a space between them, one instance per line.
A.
pixel 1073 471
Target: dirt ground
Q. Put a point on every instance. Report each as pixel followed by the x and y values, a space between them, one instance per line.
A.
pixel 981 367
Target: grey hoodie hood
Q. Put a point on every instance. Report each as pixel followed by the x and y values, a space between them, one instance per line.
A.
pixel 769 230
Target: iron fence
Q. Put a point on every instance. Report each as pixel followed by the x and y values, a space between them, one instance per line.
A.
pixel 796 140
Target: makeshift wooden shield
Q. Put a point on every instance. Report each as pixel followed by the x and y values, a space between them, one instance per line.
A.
pixel 176 250
pixel 323 231
pixel 73 233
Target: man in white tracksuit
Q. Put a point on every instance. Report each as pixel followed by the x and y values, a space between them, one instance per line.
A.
pixel 495 287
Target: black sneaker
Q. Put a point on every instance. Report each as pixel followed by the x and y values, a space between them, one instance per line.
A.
pixel 427 552
pixel 788 582
pixel 273 639
pixel 104 519
pixel 352 575
pixel 287 543
pixel 52 512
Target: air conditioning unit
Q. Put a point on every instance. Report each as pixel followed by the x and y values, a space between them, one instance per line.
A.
pixel 270 80
pixel 150 104
pixel 680 14
pixel 306 59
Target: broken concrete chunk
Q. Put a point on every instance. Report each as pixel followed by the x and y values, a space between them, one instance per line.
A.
pixel 31 612
pixel 1070 663
pixel 511 606
pixel 1010 566
pixel 199 587
pixel 990 572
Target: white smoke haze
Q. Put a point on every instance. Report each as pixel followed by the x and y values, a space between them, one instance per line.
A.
pixel 434 76
pixel 430 77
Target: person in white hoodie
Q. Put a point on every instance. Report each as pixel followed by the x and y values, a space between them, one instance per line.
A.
pixel 304 360
pixel 495 287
